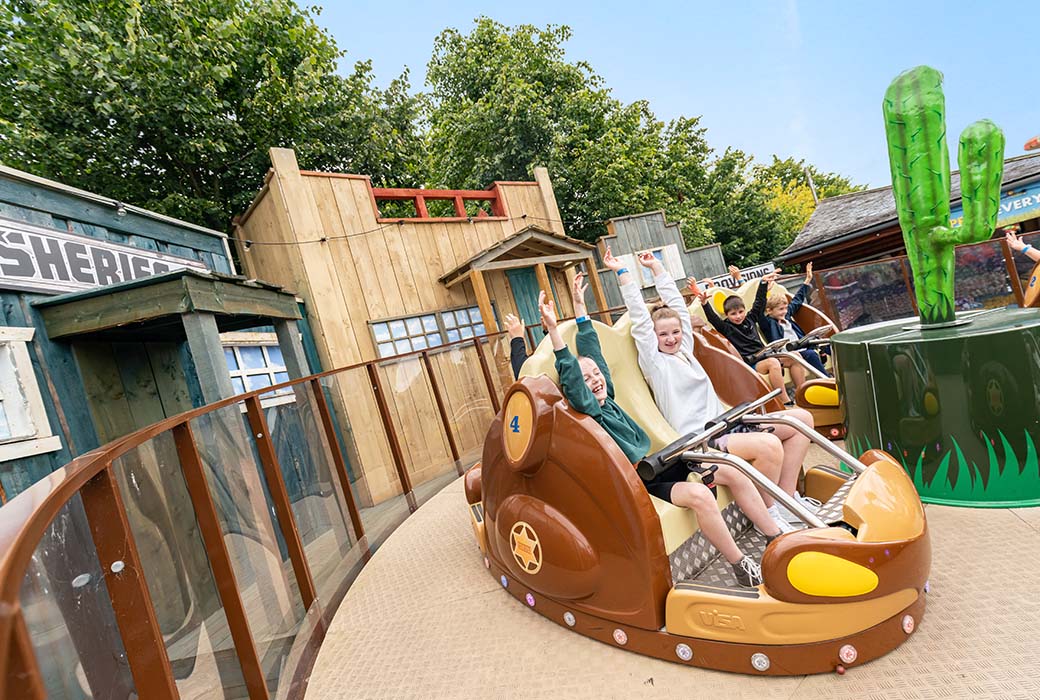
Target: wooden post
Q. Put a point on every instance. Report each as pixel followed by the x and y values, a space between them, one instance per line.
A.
pixel 208 356
pixel 127 588
pixel 543 282
pixel 280 500
pixel 487 312
pixel 1016 281
pixel 460 207
pixel 292 349
pixel 391 437
pixel 597 290
pixel 220 561
pixel 545 189
pixel 487 375
pixel 435 385
pixel 337 456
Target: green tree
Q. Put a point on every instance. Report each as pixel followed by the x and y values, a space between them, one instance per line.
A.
pixel 172 104
pixel 739 213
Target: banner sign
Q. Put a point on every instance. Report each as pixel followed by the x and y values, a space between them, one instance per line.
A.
pixel 745 275
pixel 1015 206
pixel 38 259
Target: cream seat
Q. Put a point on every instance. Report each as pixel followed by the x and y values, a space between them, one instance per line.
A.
pixel 633 395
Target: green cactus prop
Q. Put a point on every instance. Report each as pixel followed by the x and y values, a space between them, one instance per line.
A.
pixel 915 124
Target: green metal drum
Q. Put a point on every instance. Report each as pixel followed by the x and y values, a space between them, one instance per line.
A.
pixel 959 406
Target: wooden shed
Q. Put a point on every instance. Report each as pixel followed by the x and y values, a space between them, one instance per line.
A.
pixel 380 282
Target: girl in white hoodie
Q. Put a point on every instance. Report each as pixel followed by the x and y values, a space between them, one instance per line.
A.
pixel 684 392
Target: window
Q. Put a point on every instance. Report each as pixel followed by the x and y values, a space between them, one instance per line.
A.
pixel 254 361
pixel 400 335
pixel 24 428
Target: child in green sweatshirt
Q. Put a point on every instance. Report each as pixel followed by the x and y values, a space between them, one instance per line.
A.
pixel 586 385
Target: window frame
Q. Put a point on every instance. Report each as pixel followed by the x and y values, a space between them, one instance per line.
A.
pixel 442 329
pixel 42 440
pixel 234 341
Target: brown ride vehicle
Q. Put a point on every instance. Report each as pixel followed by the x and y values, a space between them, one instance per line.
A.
pixel 567 527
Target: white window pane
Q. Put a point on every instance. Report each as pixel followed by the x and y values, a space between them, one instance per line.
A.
pixel 386 349
pixel 402 346
pixel 449 319
pixel 229 357
pixel 466 331
pixel 419 342
pixel 381 331
pixel 5 428
pixel 434 339
pixel 274 354
pixel 238 384
pixel 474 315
pixel 453 335
pixel 397 329
pixel 414 326
pixel 461 317
pixel 258 381
pixel 429 322
pixel 479 329
pixel 252 357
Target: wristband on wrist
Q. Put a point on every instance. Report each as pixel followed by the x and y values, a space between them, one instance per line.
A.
pixel 1027 247
pixel 622 271
pixel 581 318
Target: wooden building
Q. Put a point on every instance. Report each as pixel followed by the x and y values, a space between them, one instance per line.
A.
pixel 391 271
pixel 628 236
pixel 861 226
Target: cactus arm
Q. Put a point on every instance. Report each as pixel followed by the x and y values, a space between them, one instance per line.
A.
pixel 981 159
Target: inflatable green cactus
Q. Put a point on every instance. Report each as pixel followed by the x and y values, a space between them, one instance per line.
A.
pixel 915 124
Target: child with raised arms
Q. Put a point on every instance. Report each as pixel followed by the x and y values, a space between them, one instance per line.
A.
pixel 586 384
pixel 778 322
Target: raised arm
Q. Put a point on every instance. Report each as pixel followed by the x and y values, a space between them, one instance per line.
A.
pixel 642 326
pixel 1016 244
pixel 587 340
pixel 572 382
pixel 802 294
pixel 760 296
pixel 709 308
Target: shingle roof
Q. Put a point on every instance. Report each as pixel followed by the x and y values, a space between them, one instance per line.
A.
pixel 858 211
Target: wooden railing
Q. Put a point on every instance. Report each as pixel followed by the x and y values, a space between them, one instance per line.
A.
pixel 458 198
pixel 84 612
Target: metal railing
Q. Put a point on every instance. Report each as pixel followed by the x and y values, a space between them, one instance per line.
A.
pixel 211 549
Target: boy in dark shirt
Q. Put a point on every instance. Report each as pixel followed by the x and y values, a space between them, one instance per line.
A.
pixel 741 328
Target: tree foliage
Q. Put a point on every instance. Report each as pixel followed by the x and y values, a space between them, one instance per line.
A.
pixel 173 104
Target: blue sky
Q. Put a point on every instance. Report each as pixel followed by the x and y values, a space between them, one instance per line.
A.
pixel 793 78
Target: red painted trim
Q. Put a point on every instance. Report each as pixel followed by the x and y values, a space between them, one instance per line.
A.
pixel 409 193
pixel 440 220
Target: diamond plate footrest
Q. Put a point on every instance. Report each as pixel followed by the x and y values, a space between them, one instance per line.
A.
pixel 695 554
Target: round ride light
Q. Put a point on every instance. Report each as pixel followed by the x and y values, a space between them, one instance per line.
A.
pixel 760 662
pixel 530 599
pixel 621 637
pixel 908 624
pixel 848 654
pixel 504 581
pixel 568 617
pixel 825 575
pixel 684 652
pixel 518 424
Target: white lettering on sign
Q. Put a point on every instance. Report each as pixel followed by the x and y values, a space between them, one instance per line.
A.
pixel 746 274
pixel 38 259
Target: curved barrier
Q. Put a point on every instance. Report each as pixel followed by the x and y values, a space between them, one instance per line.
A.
pixel 210 550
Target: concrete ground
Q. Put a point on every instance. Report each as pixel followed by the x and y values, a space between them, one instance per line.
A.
pixel 425 620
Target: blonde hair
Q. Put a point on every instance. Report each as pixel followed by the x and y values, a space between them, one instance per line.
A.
pixel 661 310
pixel 775 301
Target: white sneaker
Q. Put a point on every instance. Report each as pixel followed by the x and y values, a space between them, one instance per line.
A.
pixel 748 572
pixel 810 504
pixel 778 518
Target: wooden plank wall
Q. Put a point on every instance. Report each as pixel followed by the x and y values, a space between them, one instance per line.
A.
pixel 368 270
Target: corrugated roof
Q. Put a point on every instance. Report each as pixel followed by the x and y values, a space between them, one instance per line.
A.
pixel 844 215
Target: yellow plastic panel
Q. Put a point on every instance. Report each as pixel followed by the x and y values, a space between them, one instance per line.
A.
pixel 820 574
pixel 883 505
pixel 821 396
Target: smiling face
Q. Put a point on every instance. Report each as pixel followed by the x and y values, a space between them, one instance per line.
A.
pixel 669 335
pixel 736 315
pixel 777 311
pixel 594 379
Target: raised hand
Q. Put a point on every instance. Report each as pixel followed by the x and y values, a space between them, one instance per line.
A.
pixel 514 326
pixel 647 259
pixel 1014 242
pixel 611 262
pixel 694 288
pixel 808 273
pixel 770 279
pixel 579 287
pixel 734 272
pixel 548 311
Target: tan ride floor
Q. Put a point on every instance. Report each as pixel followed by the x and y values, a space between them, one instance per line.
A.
pixel 425 620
